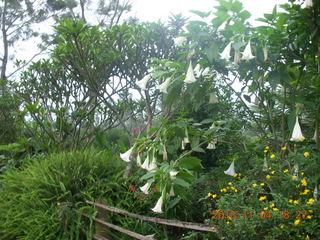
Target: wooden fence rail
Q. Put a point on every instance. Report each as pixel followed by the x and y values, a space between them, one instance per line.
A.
pixel 175 223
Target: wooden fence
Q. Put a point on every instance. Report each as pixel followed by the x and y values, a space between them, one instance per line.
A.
pixel 175 223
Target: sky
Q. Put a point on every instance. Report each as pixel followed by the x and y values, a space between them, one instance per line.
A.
pixel 152 10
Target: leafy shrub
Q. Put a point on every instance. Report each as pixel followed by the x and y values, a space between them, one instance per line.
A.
pixel 37 202
pixel 277 201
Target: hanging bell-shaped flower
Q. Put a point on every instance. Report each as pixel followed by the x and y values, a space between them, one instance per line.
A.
pixel 158 207
pixel 126 156
pixel 173 174
pixel 171 193
pixel 212 144
pixel 308 4
pixel 163 87
pixel 143 82
pixel 138 160
pixel 226 52
pixel 230 171
pixel 237 57
pixel 206 71
pixel 152 165
pixel 190 75
pixel 164 153
pixel 265 165
pixel 315 193
pixel 265 54
pixel 247 54
pixel 145 164
pixel 197 70
pixel 213 98
pixel 297 134
pixel 295 169
pixel 180 41
pixel 183 145
pixel 145 188
pixel 314 138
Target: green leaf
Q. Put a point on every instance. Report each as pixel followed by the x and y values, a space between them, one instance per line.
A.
pixel 212 52
pixel 198 149
pixel 201 14
pixel 174 202
pixel 190 163
pixel 181 182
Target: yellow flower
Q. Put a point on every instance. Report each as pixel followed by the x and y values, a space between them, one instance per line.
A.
pixel 294 178
pixel 282 226
pixel 273 172
pixel 297 222
pixel 229 183
pixel 261 184
pixel 270 168
pixel 275 209
pixel 213 228
pixel 58 203
pixel 286 170
pixel 228 222
pixel 304 182
pixel 272 205
pixel 235 175
pixel 310 211
pixel 309 217
pixel 284 148
pixel 267 148
pixel 306 154
pixel 236 190
pixel 310 201
pixel 266 208
pixel 254 185
pixel 233 188
pixel 272 156
pixel 305 192
pixel 290 201
pixel 265 151
pixel 307 237
pixel 268 177
pixel 302 173
pixel 209 194
pixel 296 202
pixel 214 195
pixel 262 198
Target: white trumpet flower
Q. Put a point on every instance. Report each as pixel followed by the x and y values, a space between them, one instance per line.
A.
pixel 163 87
pixel 197 70
pixel 171 193
pixel 265 54
pixel 143 82
pixel 138 160
pixel 212 144
pixel 164 153
pixel 297 134
pixel 226 52
pixel 173 174
pixel 265 165
pixel 213 98
pixel 247 54
pixel 145 164
pixel 183 145
pixel 315 193
pixel 158 207
pixel 126 156
pixel 237 57
pixel 190 75
pixel 145 188
pixel 206 71
pixel 180 41
pixel 308 4
pixel 152 165
pixel 230 171
pixel 295 169
pixel 314 138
